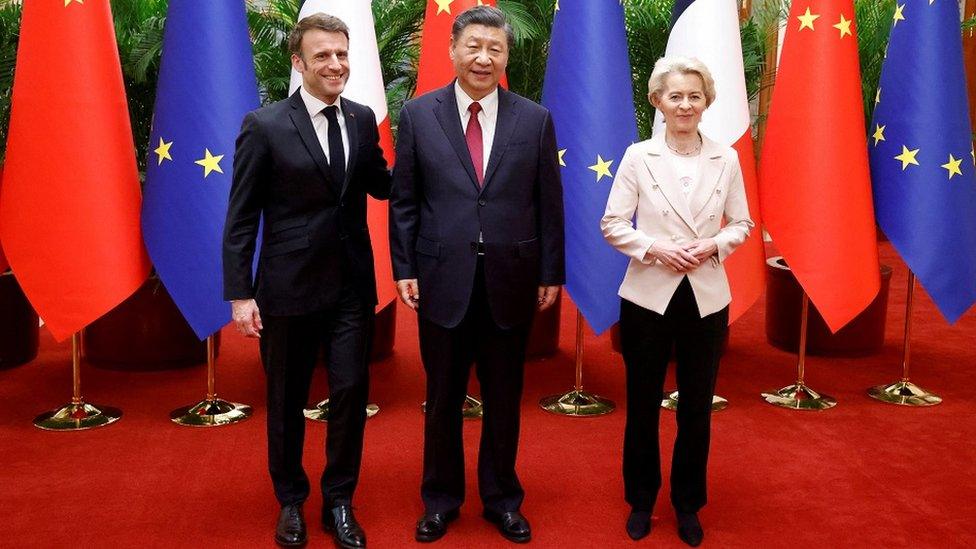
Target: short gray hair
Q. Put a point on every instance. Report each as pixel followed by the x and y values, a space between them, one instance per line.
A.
pixel 488 16
pixel 684 65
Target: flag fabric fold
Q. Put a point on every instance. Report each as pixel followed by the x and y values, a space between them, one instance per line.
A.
pixel 922 161
pixel 365 86
pixel 69 203
pixel 206 86
pixel 590 94
pixel 434 69
pixel 814 180
pixel 709 30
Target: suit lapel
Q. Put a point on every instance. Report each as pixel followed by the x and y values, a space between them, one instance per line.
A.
pixel 352 133
pixel 505 125
pixel 303 123
pixel 710 168
pixel 667 180
pixel 446 112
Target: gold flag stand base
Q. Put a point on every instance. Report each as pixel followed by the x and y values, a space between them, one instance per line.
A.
pixel 77 416
pixel 799 397
pixel 670 402
pixel 320 412
pixel 210 412
pixel 471 409
pixel 577 403
pixel 904 393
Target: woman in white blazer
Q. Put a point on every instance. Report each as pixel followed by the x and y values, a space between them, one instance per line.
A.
pixel 682 186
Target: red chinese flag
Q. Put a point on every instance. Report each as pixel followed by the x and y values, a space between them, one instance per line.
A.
pixel 435 69
pixel 69 204
pixel 815 187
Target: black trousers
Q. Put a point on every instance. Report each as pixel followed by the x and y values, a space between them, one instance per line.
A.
pixel 499 356
pixel 647 339
pixel 289 349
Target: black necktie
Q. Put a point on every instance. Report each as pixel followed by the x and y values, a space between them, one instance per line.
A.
pixel 337 155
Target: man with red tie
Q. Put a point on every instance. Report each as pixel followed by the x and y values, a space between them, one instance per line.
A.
pixel 476 228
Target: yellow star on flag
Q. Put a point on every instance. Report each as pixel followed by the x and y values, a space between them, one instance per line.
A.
pixel 557 6
pixel 67 2
pixel 878 134
pixel 844 26
pixel 907 157
pixel 443 5
pixel 562 153
pixel 602 168
pixel 952 166
pixel 210 163
pixel 899 15
pixel 806 20
pixel 972 152
pixel 162 151
pixel 877 96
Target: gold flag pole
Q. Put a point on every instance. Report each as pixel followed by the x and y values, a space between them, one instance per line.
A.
pixel 798 396
pixel 78 414
pixel 211 411
pixel 578 403
pixel 905 392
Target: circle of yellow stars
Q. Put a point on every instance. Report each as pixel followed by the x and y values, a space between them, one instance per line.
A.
pixel 210 162
pixel 908 157
pixel 601 168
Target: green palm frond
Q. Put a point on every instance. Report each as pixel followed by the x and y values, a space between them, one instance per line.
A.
pixel 9 35
pixel 531 22
pixel 648 22
pixel 874 19
pixel 398 24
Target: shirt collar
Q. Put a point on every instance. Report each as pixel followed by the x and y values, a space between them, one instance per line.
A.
pixel 315 105
pixel 489 103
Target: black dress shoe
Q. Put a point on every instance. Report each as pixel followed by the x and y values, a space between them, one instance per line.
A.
pixel 290 531
pixel 689 529
pixel 342 524
pixel 433 526
pixel 638 524
pixel 513 526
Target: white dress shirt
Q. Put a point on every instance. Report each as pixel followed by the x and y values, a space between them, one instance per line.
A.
pixel 488 118
pixel 321 123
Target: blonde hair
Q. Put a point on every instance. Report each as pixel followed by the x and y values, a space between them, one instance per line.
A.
pixel 684 65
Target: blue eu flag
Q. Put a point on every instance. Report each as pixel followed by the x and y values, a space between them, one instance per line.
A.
pixel 922 163
pixel 206 86
pixel 588 90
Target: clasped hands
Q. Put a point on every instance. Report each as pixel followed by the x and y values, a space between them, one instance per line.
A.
pixel 409 293
pixel 683 258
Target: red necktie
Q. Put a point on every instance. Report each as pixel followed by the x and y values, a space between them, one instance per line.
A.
pixel 472 134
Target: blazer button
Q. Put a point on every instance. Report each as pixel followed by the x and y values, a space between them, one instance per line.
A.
pixel 665 212
pixel 482 202
pixel 718 191
pixel 711 217
pixel 654 187
pixel 674 238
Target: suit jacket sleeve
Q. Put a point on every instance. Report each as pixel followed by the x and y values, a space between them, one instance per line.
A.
pixel 404 207
pixel 377 174
pixel 737 221
pixel 251 168
pixel 550 206
pixel 617 223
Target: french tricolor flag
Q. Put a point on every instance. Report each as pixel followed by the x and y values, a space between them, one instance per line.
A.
pixel 709 30
pixel 365 86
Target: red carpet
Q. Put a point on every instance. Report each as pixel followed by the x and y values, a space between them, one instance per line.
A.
pixel 862 474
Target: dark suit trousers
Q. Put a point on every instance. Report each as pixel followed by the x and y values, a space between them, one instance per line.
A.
pixel 647 339
pixel 499 356
pixel 289 349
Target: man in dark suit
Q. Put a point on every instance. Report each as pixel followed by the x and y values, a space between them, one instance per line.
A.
pixel 477 245
pixel 305 164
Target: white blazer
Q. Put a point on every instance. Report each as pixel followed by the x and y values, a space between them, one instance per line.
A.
pixel 646 183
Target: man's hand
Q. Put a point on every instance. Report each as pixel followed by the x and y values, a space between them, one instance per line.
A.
pixel 409 292
pixel 547 296
pixel 674 256
pixel 702 249
pixel 247 317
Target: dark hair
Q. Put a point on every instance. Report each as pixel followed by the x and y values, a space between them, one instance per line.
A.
pixel 316 21
pixel 488 16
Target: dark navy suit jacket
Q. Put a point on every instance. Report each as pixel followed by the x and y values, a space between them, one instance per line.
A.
pixel 315 239
pixel 438 210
